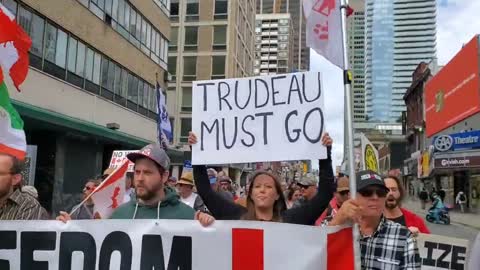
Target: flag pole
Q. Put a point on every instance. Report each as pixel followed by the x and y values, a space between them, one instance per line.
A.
pixel 348 103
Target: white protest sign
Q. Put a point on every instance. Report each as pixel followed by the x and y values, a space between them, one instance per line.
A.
pixel 118 157
pixel 441 252
pixel 268 118
pixel 172 244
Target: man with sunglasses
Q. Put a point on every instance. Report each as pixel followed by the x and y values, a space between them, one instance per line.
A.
pixel 85 211
pixel 15 204
pixel 341 195
pixel 308 189
pixel 384 244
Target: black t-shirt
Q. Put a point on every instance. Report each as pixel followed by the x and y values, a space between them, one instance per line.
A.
pixel 400 220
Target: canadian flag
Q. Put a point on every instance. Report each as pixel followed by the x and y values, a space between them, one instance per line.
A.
pixel 109 194
pixel 324 29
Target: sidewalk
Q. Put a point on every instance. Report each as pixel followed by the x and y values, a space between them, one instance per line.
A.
pixel 467 219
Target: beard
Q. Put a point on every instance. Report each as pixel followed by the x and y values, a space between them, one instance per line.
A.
pixel 391 202
pixel 146 193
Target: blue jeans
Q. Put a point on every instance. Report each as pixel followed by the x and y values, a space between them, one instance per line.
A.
pixel 436 215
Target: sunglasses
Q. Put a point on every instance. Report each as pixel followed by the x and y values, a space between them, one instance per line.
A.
pixel 88 188
pixel 382 193
pixel 344 192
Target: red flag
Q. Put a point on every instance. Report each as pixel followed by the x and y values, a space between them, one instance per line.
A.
pixel 13 59
pixel 109 195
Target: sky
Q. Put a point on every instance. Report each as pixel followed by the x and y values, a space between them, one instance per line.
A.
pixel 457 23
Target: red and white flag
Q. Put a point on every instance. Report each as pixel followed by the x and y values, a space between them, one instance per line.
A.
pixel 324 29
pixel 109 194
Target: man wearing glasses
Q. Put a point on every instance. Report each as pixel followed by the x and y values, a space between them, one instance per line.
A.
pixel 14 204
pixel 308 189
pixel 384 244
pixel 341 195
pixel 85 211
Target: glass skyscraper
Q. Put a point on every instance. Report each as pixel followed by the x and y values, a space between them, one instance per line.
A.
pixel 399 35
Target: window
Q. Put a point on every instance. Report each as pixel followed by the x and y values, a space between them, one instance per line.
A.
pixel 115 9
pixel 89 65
pixel 124 83
pixel 192 10
pixel 283 29
pixel 35 30
pixel 172 66
pixel 174 10
pixel 221 9
pixel 96 68
pixel 189 68
pixel 218 67
pixel 111 76
pixel 220 37
pixel 191 38
pixel 174 38
pixel 133 22
pixel 152 99
pixel 11 5
pixel 50 42
pixel 140 92
pixel 72 54
pixel 118 80
pixel 186 99
pixel 185 128
pixel 133 88
pixel 80 68
pixel 108 7
pixel 146 95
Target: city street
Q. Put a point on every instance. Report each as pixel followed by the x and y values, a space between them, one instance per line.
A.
pixel 453 230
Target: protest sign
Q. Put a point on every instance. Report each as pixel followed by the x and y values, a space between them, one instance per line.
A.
pixel 369 154
pixel 440 252
pixel 268 118
pixel 118 157
pixel 172 244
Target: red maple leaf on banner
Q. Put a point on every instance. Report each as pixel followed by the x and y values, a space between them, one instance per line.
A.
pixel 114 197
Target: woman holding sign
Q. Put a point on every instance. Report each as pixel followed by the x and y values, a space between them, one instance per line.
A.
pixel 265 199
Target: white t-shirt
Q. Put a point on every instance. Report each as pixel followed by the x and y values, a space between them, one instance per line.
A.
pixel 190 200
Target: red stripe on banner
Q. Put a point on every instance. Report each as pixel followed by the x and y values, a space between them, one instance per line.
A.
pixel 340 250
pixel 247 249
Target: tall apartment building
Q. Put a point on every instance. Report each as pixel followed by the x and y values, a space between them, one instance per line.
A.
pixel 210 39
pixel 273 44
pixel 400 35
pixel 301 53
pixel 356 47
pixel 90 89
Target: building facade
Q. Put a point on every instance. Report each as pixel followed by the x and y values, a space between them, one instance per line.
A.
pixel 210 39
pixel 273 44
pixel 301 55
pixel 399 35
pixel 356 53
pixel 91 87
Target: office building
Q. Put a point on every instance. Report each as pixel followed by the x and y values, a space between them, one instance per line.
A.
pixel 273 44
pixel 90 90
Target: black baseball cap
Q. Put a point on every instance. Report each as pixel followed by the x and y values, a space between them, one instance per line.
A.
pixel 153 152
pixel 368 178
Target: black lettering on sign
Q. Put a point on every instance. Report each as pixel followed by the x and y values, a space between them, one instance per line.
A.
pixel 205 85
pixel 152 253
pixel 429 260
pixel 116 241
pixel 296 131
pixel 77 241
pixel 265 125
pixel 32 241
pixel 209 130
pixel 458 258
pixel 296 89
pixel 223 96
pixel 257 105
pixel 235 131
pixel 247 132
pixel 441 259
pixel 274 93
pixel 319 92
pixel 319 136
pixel 249 94
pixel 8 240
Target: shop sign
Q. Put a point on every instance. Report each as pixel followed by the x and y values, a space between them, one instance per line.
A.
pixel 457 141
pixel 457 162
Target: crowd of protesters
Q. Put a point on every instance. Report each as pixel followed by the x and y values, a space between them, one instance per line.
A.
pixel 388 231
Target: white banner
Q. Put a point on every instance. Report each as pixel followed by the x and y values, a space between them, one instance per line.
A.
pixel 440 252
pixel 172 244
pixel 268 118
